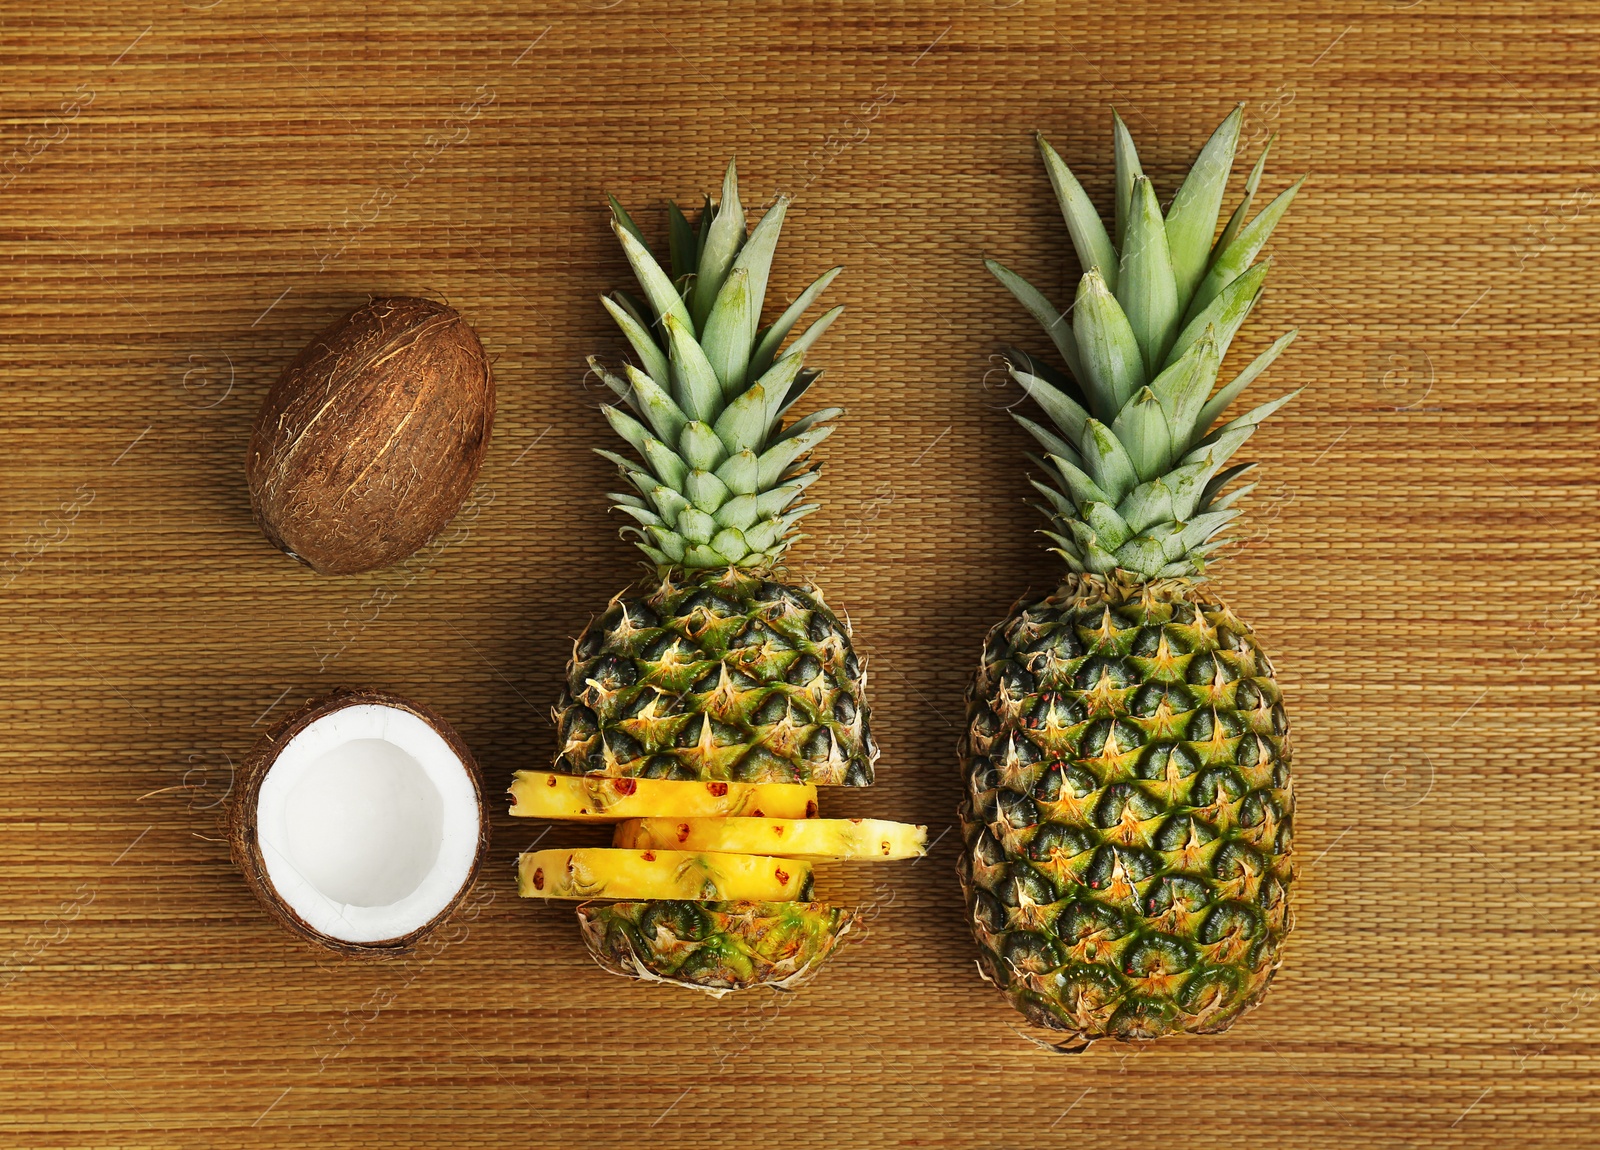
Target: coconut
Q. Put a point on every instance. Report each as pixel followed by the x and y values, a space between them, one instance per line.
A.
pixel 371 439
pixel 358 821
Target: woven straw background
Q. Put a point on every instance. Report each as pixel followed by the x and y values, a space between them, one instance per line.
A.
pixel 194 189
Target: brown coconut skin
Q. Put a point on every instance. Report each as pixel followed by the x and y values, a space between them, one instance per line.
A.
pixel 245 844
pixel 372 438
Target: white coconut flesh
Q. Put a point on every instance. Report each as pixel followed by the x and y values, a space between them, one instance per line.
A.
pixel 368 823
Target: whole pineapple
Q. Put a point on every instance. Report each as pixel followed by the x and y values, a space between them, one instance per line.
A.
pixel 1129 811
pixel 719 669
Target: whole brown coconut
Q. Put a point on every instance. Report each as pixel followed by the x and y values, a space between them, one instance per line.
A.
pixel 374 831
pixel 371 439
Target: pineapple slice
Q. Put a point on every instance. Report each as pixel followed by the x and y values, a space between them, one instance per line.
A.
pixel 818 839
pixel 714 946
pixel 596 798
pixel 605 872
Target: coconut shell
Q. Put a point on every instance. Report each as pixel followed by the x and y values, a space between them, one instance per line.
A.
pixel 371 439
pixel 245 845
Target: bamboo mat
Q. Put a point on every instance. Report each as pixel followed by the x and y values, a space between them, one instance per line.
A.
pixel 194 189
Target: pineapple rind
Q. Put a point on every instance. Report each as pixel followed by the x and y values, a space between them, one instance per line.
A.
pixel 1129 811
pixel 816 840
pixel 720 675
pixel 715 947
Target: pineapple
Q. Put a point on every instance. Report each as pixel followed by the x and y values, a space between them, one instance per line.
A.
pixel 605 872
pixel 1128 816
pixel 595 798
pixel 714 947
pixel 817 839
pixel 720 672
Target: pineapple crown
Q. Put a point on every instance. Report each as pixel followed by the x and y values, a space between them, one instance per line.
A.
pixel 1137 472
pixel 704 407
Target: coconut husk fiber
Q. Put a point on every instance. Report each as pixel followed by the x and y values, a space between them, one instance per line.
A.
pixel 194 191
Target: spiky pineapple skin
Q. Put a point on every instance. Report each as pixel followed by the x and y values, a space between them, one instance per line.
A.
pixel 725 675
pixel 715 947
pixel 1129 811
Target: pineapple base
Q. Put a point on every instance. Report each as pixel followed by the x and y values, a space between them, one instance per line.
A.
pixel 715 947
pixel 1129 811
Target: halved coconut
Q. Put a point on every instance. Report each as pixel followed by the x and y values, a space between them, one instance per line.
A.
pixel 358 821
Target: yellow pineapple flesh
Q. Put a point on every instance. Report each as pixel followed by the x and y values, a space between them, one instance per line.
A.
pixel 818 839
pixel 701 876
pixel 595 798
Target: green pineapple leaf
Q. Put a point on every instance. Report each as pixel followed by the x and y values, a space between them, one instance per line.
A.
pixel 622 388
pixel 755 257
pixel 1242 212
pixel 1113 365
pixel 772 501
pixel 770 340
pixel 632 468
pixel 657 407
pixel 705 490
pixel 1224 314
pixel 1223 502
pixel 730 544
pixel 1107 460
pixel 1109 529
pixel 695 386
pixel 797 389
pixel 1078 482
pixel 1059 408
pixel 807 422
pixel 663 296
pixel 1147 288
pixel 775 386
pixel 1146 505
pixel 1055 322
pixel 1046 438
pixel 626 426
pixel 1095 557
pixel 775 460
pixel 700 447
pixel 669 504
pixel 1242 251
pixel 739 471
pixel 1063 507
pixel 682 247
pixel 620 215
pixel 1221 479
pixel 743 424
pixel 651 358
pixel 803 342
pixel 1217 404
pixel 1089 238
pixel 1192 216
pixel 1128 170
pixel 1141 428
pixel 1183 387
pixel 726 336
pixel 720 243
pixel 666 463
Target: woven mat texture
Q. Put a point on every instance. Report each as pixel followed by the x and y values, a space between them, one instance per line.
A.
pixel 194 189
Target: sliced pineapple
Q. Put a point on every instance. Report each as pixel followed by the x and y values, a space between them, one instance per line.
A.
pixel 595 798
pixel 606 872
pixel 821 839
